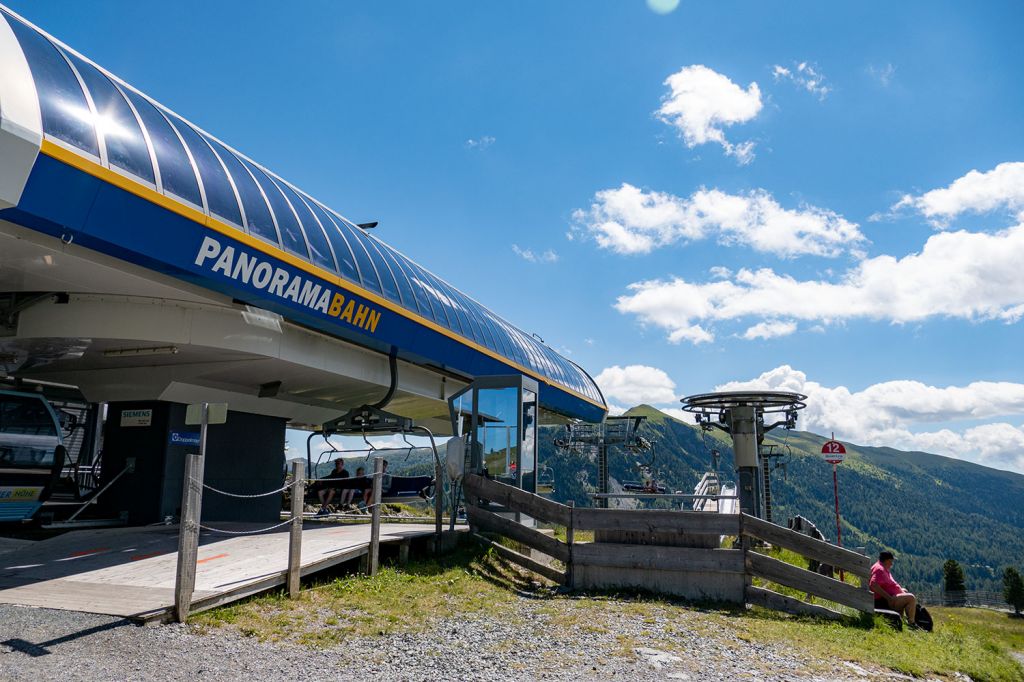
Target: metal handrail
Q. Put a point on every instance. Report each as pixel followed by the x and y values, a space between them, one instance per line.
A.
pixel 93 498
pixel 675 496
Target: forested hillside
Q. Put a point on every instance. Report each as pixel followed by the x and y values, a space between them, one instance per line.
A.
pixel 926 508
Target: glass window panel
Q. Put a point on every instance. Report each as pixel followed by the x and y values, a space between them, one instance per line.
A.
pixel 368 273
pixel 422 284
pixel 564 370
pixel 515 341
pixel 479 334
pixel 176 172
pixel 126 147
pixel 220 198
pixel 500 343
pixel 28 434
pixel 497 438
pixel 422 302
pixel 320 251
pixel 287 224
pixel 442 311
pixel 387 277
pixel 557 367
pixel 404 286
pixel 258 218
pixel 66 114
pixel 502 337
pixel 346 261
pixel 454 314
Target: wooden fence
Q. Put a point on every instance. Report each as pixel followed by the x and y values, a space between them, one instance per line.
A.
pixel 668 551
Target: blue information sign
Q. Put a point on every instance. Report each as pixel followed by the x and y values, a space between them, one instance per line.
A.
pixel 183 438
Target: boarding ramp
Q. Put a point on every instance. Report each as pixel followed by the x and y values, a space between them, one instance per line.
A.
pixel 130 572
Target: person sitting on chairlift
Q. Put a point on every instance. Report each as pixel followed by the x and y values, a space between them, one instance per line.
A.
pixel 889 593
pixel 326 493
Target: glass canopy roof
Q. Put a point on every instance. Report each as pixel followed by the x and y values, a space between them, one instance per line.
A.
pixel 104 118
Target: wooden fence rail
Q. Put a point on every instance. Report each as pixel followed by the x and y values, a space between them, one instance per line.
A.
pixel 805 545
pixel 648 550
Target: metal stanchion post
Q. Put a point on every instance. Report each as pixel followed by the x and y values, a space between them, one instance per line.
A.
pixel 295 536
pixel 378 475
pixel 438 504
pixel 188 528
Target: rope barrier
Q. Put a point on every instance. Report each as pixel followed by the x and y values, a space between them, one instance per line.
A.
pixel 268 494
pixel 245 532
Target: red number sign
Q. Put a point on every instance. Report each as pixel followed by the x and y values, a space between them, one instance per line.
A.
pixel 833 451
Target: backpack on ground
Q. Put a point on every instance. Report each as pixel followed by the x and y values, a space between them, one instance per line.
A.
pixel 923 619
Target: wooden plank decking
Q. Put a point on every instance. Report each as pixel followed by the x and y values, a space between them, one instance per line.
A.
pixel 130 571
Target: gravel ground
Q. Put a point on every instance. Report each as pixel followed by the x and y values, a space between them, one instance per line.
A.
pixel 530 641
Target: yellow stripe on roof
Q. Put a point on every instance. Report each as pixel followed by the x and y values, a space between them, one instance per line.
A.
pixel 94 169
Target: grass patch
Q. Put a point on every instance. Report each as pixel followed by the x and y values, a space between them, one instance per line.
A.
pixel 800 561
pixel 976 642
pixel 471 580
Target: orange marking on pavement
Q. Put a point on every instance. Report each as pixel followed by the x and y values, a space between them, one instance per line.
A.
pixel 211 558
pixel 87 552
pixel 140 557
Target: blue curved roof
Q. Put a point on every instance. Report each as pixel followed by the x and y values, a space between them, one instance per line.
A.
pixel 140 139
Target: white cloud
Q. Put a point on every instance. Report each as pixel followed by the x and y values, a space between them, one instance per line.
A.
pixel 770 329
pixel 884 74
pixel 888 414
pixel 630 220
pixel 977 192
pixel 662 6
pixel 532 256
pixel 636 384
pixel 966 275
pixel 480 143
pixel 702 102
pixel 804 75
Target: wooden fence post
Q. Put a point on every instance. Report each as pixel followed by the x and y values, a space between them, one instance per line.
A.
pixel 378 475
pixel 295 534
pixel 570 538
pixel 188 525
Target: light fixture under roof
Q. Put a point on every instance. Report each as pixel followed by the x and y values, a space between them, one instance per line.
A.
pixel 139 352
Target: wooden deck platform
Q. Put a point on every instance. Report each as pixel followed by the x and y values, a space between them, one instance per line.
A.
pixel 130 571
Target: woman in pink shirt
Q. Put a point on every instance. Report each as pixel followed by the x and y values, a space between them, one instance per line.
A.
pixel 885 588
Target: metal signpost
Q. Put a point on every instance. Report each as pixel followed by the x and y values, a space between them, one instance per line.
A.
pixel 201 414
pixel 834 452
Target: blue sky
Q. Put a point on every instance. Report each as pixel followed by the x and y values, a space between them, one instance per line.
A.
pixel 669 194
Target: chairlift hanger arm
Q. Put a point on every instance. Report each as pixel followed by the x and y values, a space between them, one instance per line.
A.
pixel 715 425
pixel 786 423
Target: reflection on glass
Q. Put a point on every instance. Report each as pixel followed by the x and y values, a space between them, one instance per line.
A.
pixel 287 223
pixel 176 172
pixel 342 251
pixel 497 432
pixel 66 115
pixel 116 122
pixel 257 215
pixel 529 453
pixel 319 250
pixel 220 197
